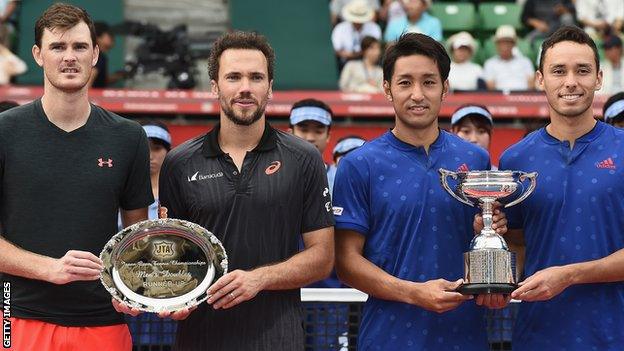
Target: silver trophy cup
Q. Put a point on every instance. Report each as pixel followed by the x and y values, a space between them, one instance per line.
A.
pixel 489 266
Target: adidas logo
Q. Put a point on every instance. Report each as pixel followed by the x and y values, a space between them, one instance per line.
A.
pixel 463 168
pixel 608 164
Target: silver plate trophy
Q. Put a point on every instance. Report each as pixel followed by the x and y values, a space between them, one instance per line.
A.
pixel 162 264
pixel 489 266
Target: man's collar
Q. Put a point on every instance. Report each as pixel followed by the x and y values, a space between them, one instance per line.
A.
pixel 211 147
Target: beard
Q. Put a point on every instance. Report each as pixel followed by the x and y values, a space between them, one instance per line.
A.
pixel 240 119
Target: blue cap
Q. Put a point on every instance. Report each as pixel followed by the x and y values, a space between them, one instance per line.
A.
pixel 348 144
pixel 157 132
pixel 310 113
pixel 468 110
pixel 615 109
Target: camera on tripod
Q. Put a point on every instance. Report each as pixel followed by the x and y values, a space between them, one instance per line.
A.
pixel 172 52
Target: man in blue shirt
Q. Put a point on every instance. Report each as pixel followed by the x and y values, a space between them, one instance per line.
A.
pixel 400 235
pixel 572 223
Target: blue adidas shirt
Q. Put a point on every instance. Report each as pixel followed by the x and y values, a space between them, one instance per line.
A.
pixel 390 192
pixel 576 214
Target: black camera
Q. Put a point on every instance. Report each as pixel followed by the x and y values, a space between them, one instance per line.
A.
pixel 172 52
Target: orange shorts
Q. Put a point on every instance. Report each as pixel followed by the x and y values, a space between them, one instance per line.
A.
pixel 34 335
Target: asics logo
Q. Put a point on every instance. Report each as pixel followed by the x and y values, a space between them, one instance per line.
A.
pixel 273 167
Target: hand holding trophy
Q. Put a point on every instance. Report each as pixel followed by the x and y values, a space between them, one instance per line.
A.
pixel 489 266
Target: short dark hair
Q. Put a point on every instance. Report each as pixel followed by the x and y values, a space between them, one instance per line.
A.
pixel 102 28
pixel 313 103
pixel 613 99
pixel 240 40
pixel 478 120
pixel 62 16
pixel 416 44
pixel 367 42
pixel 7 105
pixel 568 33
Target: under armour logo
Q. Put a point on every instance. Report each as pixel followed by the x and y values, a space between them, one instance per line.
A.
pixel 102 163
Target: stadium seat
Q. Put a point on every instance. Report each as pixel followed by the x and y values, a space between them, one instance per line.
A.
pixel 492 15
pixel 455 16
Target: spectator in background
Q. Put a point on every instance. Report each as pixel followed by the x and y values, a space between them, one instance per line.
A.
pixel 613 110
pixel 341 149
pixel 416 20
pixel 347 36
pixel 310 119
pixel 7 9
pixel 10 65
pixel 612 66
pixel 105 41
pixel 346 145
pixel 509 70
pixel 148 328
pixel 465 74
pixel 473 123
pixel 365 75
pixel 328 326
pixel 391 10
pixel 336 7
pixel 543 17
pixel 600 17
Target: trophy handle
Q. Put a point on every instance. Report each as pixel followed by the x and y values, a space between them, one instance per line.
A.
pixel 443 175
pixel 523 176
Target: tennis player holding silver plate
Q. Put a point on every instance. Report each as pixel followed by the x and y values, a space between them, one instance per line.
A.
pixel 162 265
pixel 489 266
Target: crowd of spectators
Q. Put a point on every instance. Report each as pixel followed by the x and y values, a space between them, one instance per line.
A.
pixel 503 58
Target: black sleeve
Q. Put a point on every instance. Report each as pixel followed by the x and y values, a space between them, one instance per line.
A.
pixel 317 207
pixel 137 192
pixel 169 192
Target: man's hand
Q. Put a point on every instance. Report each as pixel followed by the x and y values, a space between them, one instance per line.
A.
pixel 178 315
pixel 125 309
pixel 544 285
pixel 499 221
pixel 233 288
pixel 162 212
pixel 74 266
pixel 493 301
pixel 440 296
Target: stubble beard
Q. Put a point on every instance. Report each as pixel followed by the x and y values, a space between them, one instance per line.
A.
pixel 241 120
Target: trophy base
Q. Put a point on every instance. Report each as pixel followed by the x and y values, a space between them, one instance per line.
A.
pixel 483 288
